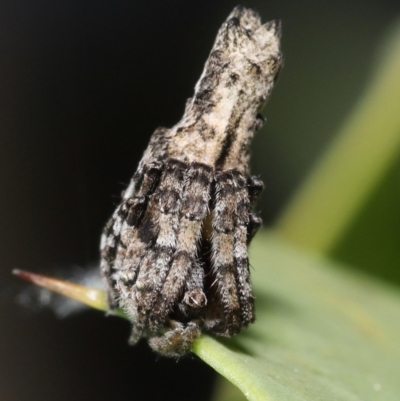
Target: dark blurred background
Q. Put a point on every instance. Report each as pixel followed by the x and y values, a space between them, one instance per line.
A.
pixel 82 86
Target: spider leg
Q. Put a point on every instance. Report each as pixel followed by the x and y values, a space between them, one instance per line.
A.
pixel 223 246
pixel 242 272
pixel 162 219
pixel 253 226
pixel 254 187
pixel 176 341
pixel 118 262
pixel 186 276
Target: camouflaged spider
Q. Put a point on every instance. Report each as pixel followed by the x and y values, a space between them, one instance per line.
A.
pixel 174 253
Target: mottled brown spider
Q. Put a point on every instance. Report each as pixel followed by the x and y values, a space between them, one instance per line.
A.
pixel 174 253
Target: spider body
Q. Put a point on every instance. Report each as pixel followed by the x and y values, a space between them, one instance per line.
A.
pixel 174 253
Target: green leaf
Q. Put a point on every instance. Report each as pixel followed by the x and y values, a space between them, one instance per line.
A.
pixel 322 333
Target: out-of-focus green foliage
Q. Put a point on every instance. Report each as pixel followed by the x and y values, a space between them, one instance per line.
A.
pixel 359 158
pixel 372 240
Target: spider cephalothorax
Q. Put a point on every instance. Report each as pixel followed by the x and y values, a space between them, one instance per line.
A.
pixel 174 253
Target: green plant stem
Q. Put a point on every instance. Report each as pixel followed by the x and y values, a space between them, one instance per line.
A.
pixel 368 144
pixel 219 357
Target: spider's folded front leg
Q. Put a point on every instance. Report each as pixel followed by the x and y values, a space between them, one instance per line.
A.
pixel 241 259
pixel 183 286
pixel 122 245
pixel 161 220
pixel 233 227
pixel 223 247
